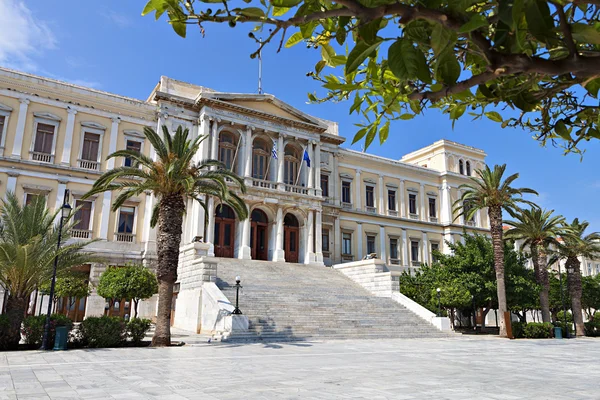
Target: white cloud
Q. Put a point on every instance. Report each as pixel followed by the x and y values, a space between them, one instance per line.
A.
pixel 22 36
pixel 120 20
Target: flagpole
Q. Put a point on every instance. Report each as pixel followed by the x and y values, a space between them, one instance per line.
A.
pixel 236 152
pixel 301 165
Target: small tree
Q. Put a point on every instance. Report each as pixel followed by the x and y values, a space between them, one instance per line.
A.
pixel 112 285
pixel 132 281
pixel 71 284
pixel 590 299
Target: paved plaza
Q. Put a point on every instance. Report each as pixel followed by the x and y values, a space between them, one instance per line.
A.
pixel 453 368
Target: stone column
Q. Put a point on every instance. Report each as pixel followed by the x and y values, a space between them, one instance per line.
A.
pixel 112 143
pixel 105 215
pixel 359 241
pixel 336 181
pixel 310 170
pixel 405 246
pixel 248 153
pixel 402 205
pixel 318 189
pixel 423 206
pixel 60 196
pixel 148 233
pixel 210 230
pixel 162 121
pixel 448 237
pixel 310 253
pixel 66 154
pixel 382 209
pixel 20 132
pixel 461 218
pixel 446 204
pixel 425 245
pixel 279 254
pixel 280 162
pixel 357 188
pixel 337 241
pixel 382 243
pixel 214 142
pixel 245 252
pixel 204 131
pixel 318 236
pixel 11 183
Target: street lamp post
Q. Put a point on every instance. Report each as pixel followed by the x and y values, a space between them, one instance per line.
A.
pixel 236 310
pixel 439 296
pixel 65 211
pixel 570 271
pixel 473 311
pixel 562 299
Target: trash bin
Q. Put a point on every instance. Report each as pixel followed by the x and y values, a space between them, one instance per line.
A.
pixel 557 332
pixel 60 338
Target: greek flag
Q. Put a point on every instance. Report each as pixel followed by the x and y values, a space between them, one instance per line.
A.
pixel 306 158
pixel 274 150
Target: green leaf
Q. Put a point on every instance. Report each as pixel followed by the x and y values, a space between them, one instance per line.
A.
pixel 477 21
pixel 370 135
pixel 252 12
pixel 407 116
pixel 384 132
pixel 368 32
pixel 593 132
pixel 593 86
pixel 151 6
pixel 319 66
pixel 561 130
pixel 457 111
pixel 539 19
pixel 359 135
pixel 494 116
pixel 285 3
pixel 442 39
pixel 359 53
pixel 279 11
pixel 447 69
pixel 179 28
pixel 585 33
pixel 408 62
pixel 308 29
pixel 357 103
pixel 294 39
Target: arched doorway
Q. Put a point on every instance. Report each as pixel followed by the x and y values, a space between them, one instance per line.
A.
pixel 259 239
pixel 224 231
pixel 291 237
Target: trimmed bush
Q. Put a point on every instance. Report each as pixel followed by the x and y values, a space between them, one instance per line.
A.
pixel 592 328
pixel 517 329
pixel 4 326
pixel 538 330
pixel 33 328
pixel 102 332
pixel 137 329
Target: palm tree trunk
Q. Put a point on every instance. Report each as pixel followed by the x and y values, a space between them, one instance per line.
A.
pixel 575 291
pixel 170 220
pixel 495 214
pixel 539 258
pixel 15 309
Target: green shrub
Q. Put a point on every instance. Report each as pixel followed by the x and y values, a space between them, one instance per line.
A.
pixel 538 330
pixel 102 332
pixel 561 316
pixel 592 327
pixel 33 328
pixel 517 329
pixel 137 329
pixel 4 326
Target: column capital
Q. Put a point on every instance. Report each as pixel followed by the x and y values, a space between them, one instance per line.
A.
pixel 71 111
pixel 381 176
pixel 358 171
pixel 115 120
pixel 24 100
pixel 422 185
pixel 13 174
pixel 63 181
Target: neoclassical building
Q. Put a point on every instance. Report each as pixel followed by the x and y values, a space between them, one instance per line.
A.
pixel 311 201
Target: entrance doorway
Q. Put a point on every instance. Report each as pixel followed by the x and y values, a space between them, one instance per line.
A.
pixel 259 239
pixel 224 231
pixel 291 235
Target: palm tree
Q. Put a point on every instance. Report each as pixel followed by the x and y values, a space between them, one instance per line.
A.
pixel 488 190
pixel 172 178
pixel 575 243
pixel 538 229
pixel 28 237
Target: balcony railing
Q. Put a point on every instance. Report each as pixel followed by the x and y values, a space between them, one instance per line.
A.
pixel 394 261
pixel 87 164
pixel 296 189
pixel 415 263
pixel 433 219
pixel 42 157
pixel 371 210
pixel 414 216
pixel 347 206
pixel 125 237
pixel 392 213
pixel 81 233
pixel 264 183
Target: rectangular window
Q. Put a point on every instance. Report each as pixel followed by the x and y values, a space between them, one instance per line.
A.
pixel 414 250
pixel 83 215
pixel 31 197
pixel 589 269
pixel 347 243
pixel 466 209
pixel 432 208
pixel 346 198
pixel 91 145
pixel 393 248
pixel 412 203
pixel 325 241
pixel 370 196
pixel 126 217
pixel 370 244
pixel 132 145
pixel 392 200
pixel 44 136
pixel 434 247
pixel 2 122
pixel 325 185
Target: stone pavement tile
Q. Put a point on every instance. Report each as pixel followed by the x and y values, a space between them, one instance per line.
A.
pixel 34 397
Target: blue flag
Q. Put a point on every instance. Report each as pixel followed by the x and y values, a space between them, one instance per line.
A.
pixel 306 158
pixel 274 150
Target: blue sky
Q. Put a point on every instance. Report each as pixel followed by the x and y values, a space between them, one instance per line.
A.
pixel 111 47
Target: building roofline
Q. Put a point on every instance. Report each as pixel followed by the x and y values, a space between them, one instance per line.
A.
pixel 441 143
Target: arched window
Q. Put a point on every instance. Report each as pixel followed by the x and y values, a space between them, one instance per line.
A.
pixel 469 168
pixel 260 158
pixel 224 211
pixel 227 149
pixel 259 216
pixel 461 167
pixel 292 164
pixel 290 220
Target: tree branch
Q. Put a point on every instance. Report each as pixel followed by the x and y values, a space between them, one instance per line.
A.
pixel 564 26
pixel 459 87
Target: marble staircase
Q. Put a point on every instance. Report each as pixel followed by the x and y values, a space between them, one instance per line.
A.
pixel 286 301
